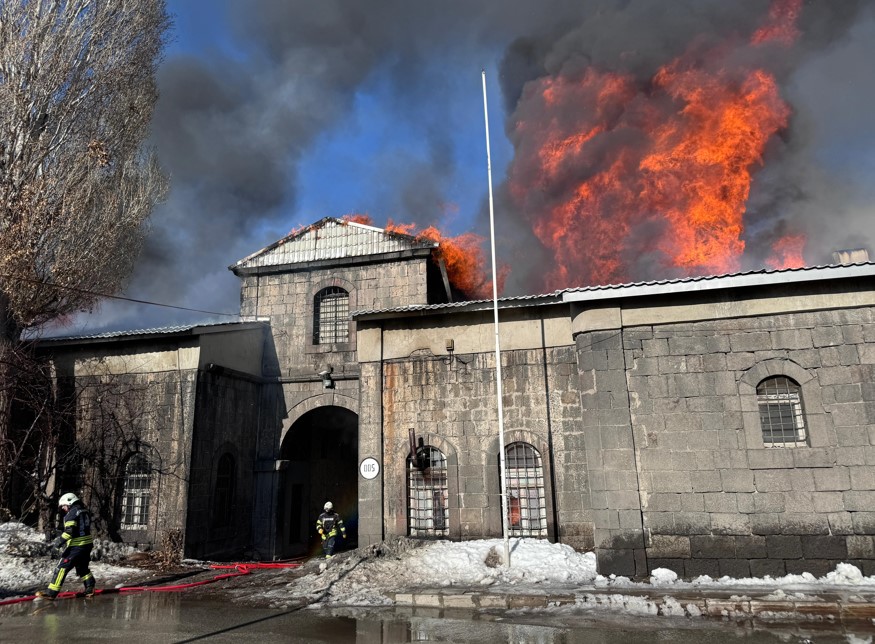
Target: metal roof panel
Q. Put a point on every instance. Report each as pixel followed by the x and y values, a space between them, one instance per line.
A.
pixel 331 238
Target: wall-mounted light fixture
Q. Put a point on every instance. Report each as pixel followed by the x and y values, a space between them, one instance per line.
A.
pixel 327 382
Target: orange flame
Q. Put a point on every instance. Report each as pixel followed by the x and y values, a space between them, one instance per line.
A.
pixel 787 252
pixel 404 229
pixel 465 262
pixel 781 24
pixel 463 256
pixel 621 177
pixel 358 218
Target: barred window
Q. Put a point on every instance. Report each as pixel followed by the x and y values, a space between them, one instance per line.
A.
pixel 526 502
pixel 137 492
pixel 223 499
pixel 781 415
pixel 331 316
pixel 428 497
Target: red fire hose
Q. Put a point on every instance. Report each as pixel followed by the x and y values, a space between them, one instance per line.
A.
pixel 243 568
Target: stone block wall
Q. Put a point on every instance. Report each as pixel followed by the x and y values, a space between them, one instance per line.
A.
pixel 612 461
pixel 713 499
pixel 227 417
pixel 124 413
pixel 294 361
pixel 287 298
pixel 450 402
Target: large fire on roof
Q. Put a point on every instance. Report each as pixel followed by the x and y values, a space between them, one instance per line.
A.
pixel 462 255
pixel 615 171
pixel 609 167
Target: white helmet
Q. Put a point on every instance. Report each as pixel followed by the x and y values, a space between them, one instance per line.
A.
pixel 329 506
pixel 67 499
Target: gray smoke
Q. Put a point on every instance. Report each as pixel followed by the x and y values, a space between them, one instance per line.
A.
pixel 231 130
pixel 810 182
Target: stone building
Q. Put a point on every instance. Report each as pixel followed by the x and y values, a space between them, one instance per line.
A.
pixel 714 425
pixel 165 426
pixel 307 284
pixel 717 425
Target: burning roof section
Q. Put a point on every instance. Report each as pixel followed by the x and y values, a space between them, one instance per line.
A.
pixel 687 285
pixel 331 239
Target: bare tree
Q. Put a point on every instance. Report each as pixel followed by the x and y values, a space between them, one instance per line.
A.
pixel 77 184
pixel 29 455
pixel 75 431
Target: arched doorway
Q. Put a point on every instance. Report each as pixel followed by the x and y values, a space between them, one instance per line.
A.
pixel 321 448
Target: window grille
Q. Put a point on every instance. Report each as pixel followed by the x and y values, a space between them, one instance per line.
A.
pixel 136 493
pixel 223 500
pixel 331 316
pixel 781 416
pixel 526 502
pixel 428 510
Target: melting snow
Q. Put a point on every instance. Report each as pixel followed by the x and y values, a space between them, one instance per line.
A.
pixel 366 576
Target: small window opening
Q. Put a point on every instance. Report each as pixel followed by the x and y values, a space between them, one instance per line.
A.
pixel 331 316
pixel 781 414
pixel 428 496
pixel 526 501
pixel 137 492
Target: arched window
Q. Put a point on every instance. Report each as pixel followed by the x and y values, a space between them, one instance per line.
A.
pixel 526 502
pixel 137 492
pixel 427 495
pixel 223 499
pixel 781 416
pixel 331 316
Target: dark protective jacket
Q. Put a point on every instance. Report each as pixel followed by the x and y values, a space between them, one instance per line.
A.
pixel 329 523
pixel 77 527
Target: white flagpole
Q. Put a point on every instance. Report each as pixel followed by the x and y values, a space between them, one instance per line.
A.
pixel 498 388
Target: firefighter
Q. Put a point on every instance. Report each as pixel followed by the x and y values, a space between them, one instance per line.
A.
pixel 77 542
pixel 327 525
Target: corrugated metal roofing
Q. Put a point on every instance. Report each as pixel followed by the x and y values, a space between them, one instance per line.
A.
pixel 762 277
pixel 330 238
pixel 471 305
pixel 164 330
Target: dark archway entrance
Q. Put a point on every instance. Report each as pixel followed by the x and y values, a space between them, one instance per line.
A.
pixel 322 453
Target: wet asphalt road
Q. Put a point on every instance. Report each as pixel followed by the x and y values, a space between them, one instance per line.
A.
pixel 174 617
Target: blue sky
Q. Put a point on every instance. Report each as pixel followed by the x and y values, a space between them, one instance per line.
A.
pixel 276 113
pixel 343 171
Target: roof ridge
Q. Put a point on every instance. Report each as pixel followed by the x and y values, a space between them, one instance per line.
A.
pixel 392 237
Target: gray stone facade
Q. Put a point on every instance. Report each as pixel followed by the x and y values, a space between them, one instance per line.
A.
pixel 657 456
pixel 166 397
pixel 714 500
pixel 280 285
pixel 637 405
pixel 449 400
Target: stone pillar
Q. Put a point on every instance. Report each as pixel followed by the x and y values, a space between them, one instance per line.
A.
pixel 371 434
pixel 612 472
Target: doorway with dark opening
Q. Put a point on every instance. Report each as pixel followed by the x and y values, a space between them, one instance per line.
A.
pixel 322 453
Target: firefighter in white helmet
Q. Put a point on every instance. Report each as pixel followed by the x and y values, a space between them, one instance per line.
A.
pixel 327 525
pixel 77 542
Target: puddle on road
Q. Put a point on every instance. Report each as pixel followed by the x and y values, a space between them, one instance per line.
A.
pixel 173 617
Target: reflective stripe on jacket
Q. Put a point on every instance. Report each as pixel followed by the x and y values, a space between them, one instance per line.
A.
pixel 77 527
pixel 328 523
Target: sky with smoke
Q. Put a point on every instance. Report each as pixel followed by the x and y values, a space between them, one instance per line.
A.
pixel 276 113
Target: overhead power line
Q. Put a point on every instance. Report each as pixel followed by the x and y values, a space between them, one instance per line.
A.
pixel 118 297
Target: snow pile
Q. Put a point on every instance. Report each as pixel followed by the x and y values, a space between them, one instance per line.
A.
pixel 404 564
pixel 369 576
pixel 533 561
pixel 663 577
pixel 26 563
pixel 844 575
